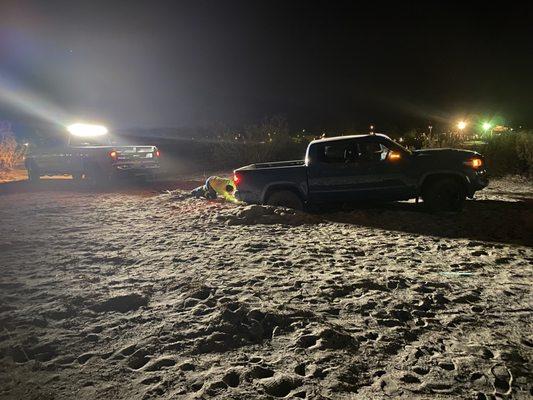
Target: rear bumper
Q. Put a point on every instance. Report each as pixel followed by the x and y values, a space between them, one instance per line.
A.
pixel 137 167
pixel 246 197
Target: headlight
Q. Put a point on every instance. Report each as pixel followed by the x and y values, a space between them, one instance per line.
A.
pixel 475 163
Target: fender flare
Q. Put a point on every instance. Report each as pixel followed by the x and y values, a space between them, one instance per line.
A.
pixel 423 179
pixel 283 185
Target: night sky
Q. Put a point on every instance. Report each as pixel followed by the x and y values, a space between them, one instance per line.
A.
pixel 323 65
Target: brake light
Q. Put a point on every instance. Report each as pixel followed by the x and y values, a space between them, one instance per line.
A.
pixel 237 178
pixel 113 154
pixel 474 163
pixel 157 153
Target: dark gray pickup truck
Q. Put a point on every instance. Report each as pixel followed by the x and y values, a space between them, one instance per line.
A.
pixel 364 168
pixel 95 158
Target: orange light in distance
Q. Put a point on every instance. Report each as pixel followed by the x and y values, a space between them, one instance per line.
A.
pixel 113 154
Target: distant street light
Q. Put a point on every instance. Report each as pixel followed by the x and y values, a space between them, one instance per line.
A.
pixel 486 126
pixel 461 125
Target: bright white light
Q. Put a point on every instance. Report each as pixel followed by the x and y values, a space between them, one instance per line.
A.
pixel 486 126
pixel 87 130
pixel 461 125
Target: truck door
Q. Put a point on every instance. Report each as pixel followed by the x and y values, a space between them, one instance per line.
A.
pixel 356 170
pixel 50 157
pixel 382 171
pixel 332 171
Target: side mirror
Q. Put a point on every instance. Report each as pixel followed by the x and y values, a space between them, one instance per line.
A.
pixel 394 156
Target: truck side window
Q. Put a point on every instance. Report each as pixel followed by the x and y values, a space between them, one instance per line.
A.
pixel 341 152
pixel 51 142
pixel 372 152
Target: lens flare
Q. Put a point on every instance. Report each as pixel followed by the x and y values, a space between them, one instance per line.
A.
pixel 15 96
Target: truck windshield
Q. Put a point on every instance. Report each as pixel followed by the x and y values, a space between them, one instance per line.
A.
pixel 90 141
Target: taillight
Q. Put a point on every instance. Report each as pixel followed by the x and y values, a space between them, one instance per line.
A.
pixel 157 153
pixel 236 178
pixel 113 154
pixel 474 163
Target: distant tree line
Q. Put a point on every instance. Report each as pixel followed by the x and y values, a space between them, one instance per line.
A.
pixel 11 152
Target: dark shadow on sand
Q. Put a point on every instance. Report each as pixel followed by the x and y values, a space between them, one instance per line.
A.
pixel 496 221
pixel 132 186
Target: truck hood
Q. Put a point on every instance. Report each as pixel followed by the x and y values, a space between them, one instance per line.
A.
pixel 445 153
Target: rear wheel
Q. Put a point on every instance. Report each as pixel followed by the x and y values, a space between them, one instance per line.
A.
pixel 285 198
pixel 446 194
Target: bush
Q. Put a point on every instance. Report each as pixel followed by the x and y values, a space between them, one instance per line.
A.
pixel 267 141
pixel 524 151
pixel 10 152
pixel 506 154
pixel 510 153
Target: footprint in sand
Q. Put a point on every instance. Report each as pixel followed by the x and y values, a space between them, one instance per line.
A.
pixel 232 379
pixel 138 359
pixel 160 363
pixel 503 379
pixel 281 385
pixel 259 372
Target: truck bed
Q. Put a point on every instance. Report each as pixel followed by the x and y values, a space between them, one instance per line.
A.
pixel 276 164
pixel 257 179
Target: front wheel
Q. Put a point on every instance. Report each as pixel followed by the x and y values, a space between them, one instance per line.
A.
pixel 97 175
pixel 285 198
pixel 445 194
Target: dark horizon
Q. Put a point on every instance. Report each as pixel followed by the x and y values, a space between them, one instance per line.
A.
pixel 324 67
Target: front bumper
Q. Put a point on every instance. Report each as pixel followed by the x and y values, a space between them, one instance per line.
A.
pixel 477 180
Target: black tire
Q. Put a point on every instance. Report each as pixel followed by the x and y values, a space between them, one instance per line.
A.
pixel 285 198
pixel 446 194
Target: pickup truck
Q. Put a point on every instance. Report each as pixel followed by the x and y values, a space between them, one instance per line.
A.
pixel 91 158
pixel 348 169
